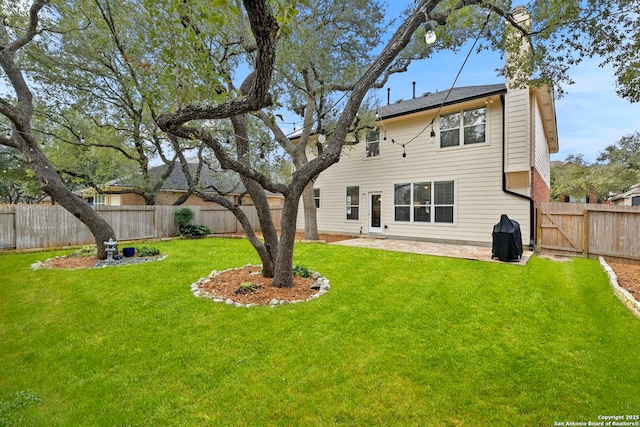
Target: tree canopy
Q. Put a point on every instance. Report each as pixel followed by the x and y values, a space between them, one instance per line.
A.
pixel 616 169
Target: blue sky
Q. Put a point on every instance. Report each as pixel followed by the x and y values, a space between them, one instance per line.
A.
pixel 589 117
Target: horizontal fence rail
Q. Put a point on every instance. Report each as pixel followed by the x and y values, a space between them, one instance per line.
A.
pixel 589 230
pixel 39 226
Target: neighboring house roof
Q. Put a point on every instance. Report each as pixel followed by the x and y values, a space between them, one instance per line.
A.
pixel 221 181
pixel 634 191
pixel 433 100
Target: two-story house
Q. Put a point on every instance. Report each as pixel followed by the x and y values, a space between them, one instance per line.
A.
pixel 443 167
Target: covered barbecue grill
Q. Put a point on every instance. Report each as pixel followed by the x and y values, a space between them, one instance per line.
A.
pixel 507 240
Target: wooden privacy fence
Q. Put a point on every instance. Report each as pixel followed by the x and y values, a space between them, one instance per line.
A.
pixel 39 226
pixel 582 229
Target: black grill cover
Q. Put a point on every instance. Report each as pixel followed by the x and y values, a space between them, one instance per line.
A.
pixel 507 240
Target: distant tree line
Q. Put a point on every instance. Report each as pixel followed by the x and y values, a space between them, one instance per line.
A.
pixel 615 170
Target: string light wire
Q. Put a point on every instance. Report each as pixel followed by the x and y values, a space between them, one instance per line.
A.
pixel 455 80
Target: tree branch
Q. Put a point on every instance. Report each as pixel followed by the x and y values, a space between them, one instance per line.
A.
pixel 32 29
pixel 265 29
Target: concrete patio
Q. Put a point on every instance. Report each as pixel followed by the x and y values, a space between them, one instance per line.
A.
pixel 428 248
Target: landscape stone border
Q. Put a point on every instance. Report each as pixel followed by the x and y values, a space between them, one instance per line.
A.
pixel 622 294
pixel 41 265
pixel 321 284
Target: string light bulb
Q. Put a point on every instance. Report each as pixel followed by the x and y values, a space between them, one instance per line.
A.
pixel 429 34
pixel 322 138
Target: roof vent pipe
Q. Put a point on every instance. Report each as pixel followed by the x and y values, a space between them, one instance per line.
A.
pixel 414 90
pixel 388 95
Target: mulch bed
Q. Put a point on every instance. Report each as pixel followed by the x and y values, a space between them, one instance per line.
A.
pixel 226 284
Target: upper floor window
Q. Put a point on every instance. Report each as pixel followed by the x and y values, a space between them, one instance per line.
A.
pixel 316 197
pixel 372 145
pixel 463 127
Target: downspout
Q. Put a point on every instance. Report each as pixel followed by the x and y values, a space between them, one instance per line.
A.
pixel 532 227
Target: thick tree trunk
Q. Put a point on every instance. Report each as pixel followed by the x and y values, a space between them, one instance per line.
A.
pixel 52 184
pixel 283 277
pixel 310 215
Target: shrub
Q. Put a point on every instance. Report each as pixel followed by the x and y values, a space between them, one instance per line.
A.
pixel 190 230
pixel 301 271
pixel 147 251
pixel 182 217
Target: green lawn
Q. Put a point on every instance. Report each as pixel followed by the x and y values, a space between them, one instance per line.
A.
pixel 400 340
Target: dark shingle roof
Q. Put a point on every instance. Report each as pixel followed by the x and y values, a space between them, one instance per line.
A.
pixel 224 182
pixel 434 100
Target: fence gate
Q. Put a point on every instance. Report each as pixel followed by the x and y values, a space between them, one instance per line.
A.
pixel 589 230
pixel 560 230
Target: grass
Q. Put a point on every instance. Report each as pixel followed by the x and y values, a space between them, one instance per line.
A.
pixel 401 339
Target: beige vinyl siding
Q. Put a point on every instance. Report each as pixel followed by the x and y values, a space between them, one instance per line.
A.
pixel 540 147
pixel 475 169
pixel 517 130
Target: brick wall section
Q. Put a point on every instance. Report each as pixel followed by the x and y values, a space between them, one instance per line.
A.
pixel 131 200
pixel 539 189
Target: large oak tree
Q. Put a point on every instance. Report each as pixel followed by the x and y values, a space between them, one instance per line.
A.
pixel 19 113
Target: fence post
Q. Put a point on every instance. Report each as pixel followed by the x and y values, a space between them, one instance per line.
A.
pixel 539 229
pixel 585 233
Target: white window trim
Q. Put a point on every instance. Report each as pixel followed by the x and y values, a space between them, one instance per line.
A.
pixel 102 202
pixel 366 148
pixel 432 205
pixel 461 130
pixel 347 206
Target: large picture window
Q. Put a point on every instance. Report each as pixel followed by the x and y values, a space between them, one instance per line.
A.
pixel 463 127
pixel 372 144
pixel 428 202
pixel 353 203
